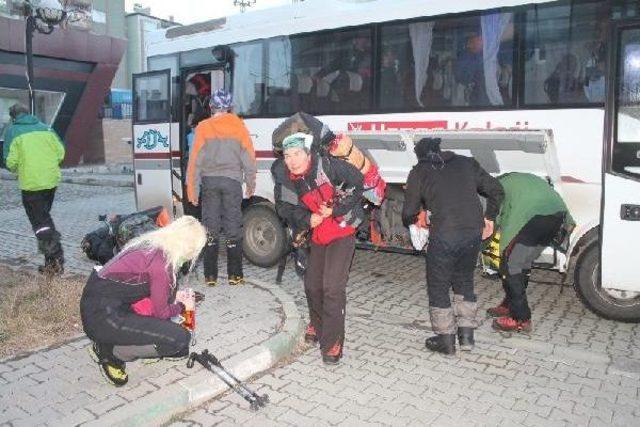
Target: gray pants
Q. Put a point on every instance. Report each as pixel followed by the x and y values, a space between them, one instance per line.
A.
pixel 222 207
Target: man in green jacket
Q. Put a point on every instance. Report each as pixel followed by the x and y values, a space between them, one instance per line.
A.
pixel 34 152
pixel 531 216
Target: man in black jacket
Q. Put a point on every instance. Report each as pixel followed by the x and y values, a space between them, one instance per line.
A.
pixel 448 185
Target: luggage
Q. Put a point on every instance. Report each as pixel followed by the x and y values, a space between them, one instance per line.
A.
pixel 102 244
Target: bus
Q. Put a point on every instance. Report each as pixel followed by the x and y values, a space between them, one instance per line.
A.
pixel 550 87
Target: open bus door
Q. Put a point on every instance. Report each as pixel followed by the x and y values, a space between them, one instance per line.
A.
pixel 155 142
pixel 619 282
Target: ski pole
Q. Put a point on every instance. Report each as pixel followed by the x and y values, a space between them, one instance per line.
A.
pixel 204 361
pixel 262 400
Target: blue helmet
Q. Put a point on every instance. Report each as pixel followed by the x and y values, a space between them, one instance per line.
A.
pixel 221 100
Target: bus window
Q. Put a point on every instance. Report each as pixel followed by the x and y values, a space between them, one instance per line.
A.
pixel 162 62
pixel 565 53
pixel 626 157
pixel 248 78
pixel 451 62
pixel 195 57
pixel 333 71
pixel 282 96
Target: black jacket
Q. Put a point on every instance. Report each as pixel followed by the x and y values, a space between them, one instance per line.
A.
pixel 449 190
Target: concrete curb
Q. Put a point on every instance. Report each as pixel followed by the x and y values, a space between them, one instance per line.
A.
pixel 179 397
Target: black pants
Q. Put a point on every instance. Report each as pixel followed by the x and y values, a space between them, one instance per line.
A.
pixel 37 205
pixel 107 319
pixel 451 261
pixel 222 213
pixel 325 284
pixel 519 256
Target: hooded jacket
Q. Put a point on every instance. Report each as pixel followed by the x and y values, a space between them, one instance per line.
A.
pixel 328 180
pixel 448 186
pixel 222 147
pixel 34 152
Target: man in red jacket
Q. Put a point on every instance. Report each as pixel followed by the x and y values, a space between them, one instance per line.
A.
pixel 328 192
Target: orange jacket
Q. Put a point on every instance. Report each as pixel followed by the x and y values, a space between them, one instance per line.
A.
pixel 222 147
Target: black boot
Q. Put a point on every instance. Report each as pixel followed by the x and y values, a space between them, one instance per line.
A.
pixel 210 262
pixel 445 344
pixel 234 262
pixel 465 338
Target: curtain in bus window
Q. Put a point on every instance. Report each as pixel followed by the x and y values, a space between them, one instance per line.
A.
pixel 247 78
pixel 281 93
pixel 421 35
pixel 493 29
pixel 565 53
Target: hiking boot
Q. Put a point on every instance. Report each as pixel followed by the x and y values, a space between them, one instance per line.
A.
pixel 236 280
pixel 501 310
pixel 114 373
pixel 52 268
pixel 465 338
pixel 112 370
pixel 332 357
pixel 210 281
pixel 310 335
pixel 445 343
pixel 509 324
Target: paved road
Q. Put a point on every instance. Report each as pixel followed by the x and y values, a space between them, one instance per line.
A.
pixel 574 369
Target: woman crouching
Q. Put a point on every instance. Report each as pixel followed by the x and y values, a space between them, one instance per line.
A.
pixel 329 193
pixel 126 307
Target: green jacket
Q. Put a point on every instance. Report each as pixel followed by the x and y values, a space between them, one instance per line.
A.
pixel 525 196
pixel 33 151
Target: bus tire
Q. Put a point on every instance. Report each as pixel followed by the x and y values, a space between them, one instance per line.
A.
pixel 265 239
pixel 587 285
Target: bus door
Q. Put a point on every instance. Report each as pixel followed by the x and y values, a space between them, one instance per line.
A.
pixel 154 136
pixel 620 211
pixel 197 86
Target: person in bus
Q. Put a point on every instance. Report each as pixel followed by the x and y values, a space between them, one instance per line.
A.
pixel 532 215
pixel 223 158
pixel 448 185
pixel 126 306
pixel 326 198
pixel 469 71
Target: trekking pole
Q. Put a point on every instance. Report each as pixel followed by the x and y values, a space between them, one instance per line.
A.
pixel 204 361
pixel 261 400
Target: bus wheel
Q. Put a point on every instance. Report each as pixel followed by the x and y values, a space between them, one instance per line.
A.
pixel 623 306
pixel 265 238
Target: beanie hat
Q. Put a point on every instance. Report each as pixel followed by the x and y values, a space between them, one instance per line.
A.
pixel 221 100
pixel 297 140
pixel 427 146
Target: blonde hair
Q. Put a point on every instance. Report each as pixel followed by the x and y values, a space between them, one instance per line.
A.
pixel 180 241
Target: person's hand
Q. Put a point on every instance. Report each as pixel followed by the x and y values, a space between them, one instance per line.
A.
pixel 194 202
pixel 325 211
pixel 316 220
pixel 249 194
pixel 181 296
pixel 488 229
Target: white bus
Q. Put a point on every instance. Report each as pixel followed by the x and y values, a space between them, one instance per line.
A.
pixel 557 81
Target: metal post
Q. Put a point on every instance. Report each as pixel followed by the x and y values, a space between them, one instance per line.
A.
pixel 30 28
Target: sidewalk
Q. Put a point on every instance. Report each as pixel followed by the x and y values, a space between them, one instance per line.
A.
pixel 250 328
pixel 116 176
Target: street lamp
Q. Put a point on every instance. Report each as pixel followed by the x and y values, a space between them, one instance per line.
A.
pixel 244 4
pixel 41 16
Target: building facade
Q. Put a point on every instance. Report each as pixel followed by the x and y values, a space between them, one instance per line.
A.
pixel 73 71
